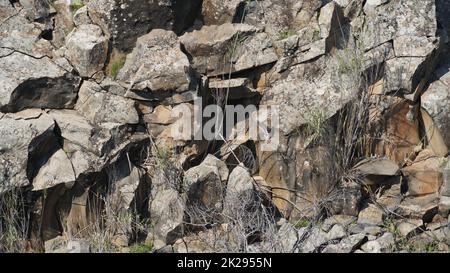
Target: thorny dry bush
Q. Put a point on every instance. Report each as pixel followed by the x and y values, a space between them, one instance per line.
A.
pixel 244 218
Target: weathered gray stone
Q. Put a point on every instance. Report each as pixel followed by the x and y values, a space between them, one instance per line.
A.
pixel 217 50
pixel 81 17
pixel 239 186
pixel 318 238
pixel 281 17
pixel 382 244
pixel 372 230
pixel 18 33
pixel 61 23
pixel 167 210
pixel 343 220
pixel 309 87
pixel 436 99
pixel 25 136
pixel 25 84
pixel 125 177
pixel 288 236
pixel 204 185
pixel 98 106
pixel 410 227
pixel 157 64
pixel 381 166
pixel 125 21
pixel 87 49
pixel 371 215
pixel 57 170
pixel 400 22
pixel 346 245
pixel 36 9
pixel 398 18
pixel 220 12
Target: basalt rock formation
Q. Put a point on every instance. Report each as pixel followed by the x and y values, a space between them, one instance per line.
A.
pixel 93 93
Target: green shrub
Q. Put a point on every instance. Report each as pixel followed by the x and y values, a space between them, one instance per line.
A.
pixel 142 248
pixel 116 66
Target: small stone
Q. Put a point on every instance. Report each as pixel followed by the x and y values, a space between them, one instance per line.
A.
pixel 343 220
pixel 372 230
pixel 410 227
pixel 371 215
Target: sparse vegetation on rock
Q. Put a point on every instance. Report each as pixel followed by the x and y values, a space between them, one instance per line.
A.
pixel 93 94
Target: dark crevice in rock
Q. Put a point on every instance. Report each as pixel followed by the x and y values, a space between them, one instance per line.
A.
pixel 40 150
pixel 239 16
pixel 47 34
pixel 186 12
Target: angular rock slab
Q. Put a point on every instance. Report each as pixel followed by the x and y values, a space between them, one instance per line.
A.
pixel 157 64
pixel 25 84
pixel 204 185
pixel 424 176
pixel 436 101
pixel 87 49
pixel 20 133
pixel 19 34
pixel 309 90
pixel 125 21
pixel 217 50
pixel 167 210
pixel 412 27
pixel 218 12
pixel 57 170
pixel 98 106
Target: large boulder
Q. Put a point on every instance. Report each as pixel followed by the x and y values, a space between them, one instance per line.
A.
pixel 217 50
pixel 239 187
pixel 98 106
pixel 57 170
pixel 317 238
pixel 19 34
pixel 311 88
pixel 37 9
pixel 220 12
pixel 424 175
pixel 371 215
pixel 157 64
pixel 436 99
pixel 87 49
pixel 281 17
pixel 86 143
pixel 24 84
pixel 346 245
pixel 384 243
pixel 125 21
pixel 398 21
pixel 26 136
pixel 167 211
pixel 204 185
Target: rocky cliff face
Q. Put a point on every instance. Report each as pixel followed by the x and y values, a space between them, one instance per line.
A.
pixel 89 160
